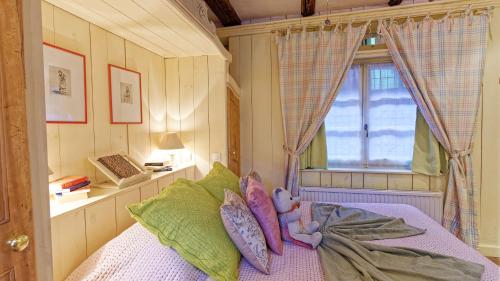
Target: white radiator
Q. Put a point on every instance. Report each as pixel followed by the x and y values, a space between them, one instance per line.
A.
pixel 431 203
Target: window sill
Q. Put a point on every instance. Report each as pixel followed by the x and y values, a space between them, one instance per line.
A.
pixel 364 170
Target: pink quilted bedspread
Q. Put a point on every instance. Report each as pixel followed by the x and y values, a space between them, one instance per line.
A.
pixel 137 255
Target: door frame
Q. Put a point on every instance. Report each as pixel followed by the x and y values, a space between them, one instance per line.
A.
pixel 37 136
pixel 232 87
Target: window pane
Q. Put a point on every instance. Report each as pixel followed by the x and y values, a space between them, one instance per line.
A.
pixel 391 118
pixel 343 124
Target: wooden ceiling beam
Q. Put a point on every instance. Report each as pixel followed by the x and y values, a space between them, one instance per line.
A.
pixel 394 2
pixel 308 8
pixel 224 11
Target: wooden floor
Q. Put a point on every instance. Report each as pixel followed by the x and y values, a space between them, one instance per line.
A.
pixel 495 260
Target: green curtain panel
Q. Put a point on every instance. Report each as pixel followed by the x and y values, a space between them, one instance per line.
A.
pixel 316 155
pixel 429 157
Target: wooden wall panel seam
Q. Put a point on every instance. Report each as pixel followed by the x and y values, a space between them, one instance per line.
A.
pixel 179 97
pixel 209 128
pixel 92 87
pixel 148 71
pixel 193 152
pixel 271 102
pixel 208 117
pixel 200 107
pixel 59 149
pixel 84 233
pixel 251 99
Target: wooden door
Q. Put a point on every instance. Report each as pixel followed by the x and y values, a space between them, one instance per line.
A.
pixel 233 131
pixel 16 223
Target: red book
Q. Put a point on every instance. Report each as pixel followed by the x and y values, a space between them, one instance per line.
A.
pixel 68 181
pixel 74 188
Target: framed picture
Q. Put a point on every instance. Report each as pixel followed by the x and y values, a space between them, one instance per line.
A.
pixel 65 85
pixel 125 96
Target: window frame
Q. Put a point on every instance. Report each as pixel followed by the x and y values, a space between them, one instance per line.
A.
pixel 363 64
pixel 364 113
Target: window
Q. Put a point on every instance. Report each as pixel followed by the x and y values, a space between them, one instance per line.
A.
pixel 372 122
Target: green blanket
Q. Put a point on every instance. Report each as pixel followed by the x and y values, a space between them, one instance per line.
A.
pixel 345 257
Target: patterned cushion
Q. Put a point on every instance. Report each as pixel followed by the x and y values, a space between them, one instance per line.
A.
pixel 245 231
pixel 244 183
pixel 218 179
pixel 186 217
pixel 263 209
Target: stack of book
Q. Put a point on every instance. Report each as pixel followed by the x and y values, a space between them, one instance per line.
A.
pixel 70 188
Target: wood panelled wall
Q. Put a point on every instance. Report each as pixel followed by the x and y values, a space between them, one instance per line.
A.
pixel 489 175
pixel 177 94
pixel 254 67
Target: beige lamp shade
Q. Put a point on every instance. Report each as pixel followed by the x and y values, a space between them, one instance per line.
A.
pixel 170 141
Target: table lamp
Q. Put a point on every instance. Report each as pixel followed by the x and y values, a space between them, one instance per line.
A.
pixel 171 143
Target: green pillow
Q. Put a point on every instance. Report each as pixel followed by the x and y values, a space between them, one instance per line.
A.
pixel 187 218
pixel 218 179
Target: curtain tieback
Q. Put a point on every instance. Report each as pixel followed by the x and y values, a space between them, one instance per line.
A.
pixel 456 154
pixel 291 152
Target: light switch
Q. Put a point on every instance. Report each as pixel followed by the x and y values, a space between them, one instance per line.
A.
pixel 216 157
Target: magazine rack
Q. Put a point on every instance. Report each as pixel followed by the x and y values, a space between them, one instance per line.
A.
pixel 142 175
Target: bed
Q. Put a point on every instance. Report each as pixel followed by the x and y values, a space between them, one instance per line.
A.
pixel 138 255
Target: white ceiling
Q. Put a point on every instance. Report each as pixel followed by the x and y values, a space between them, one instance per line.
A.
pixel 161 26
pixel 251 10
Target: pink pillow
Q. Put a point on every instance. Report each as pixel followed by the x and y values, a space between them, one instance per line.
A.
pixel 263 209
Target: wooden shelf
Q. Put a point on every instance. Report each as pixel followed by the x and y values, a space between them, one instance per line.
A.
pixel 99 194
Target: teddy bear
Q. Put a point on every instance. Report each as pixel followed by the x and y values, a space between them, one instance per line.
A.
pixel 289 217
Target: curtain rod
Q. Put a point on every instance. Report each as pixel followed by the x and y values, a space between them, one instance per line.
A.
pixel 375 20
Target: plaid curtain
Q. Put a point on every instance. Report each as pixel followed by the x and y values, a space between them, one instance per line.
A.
pixel 441 63
pixel 312 67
